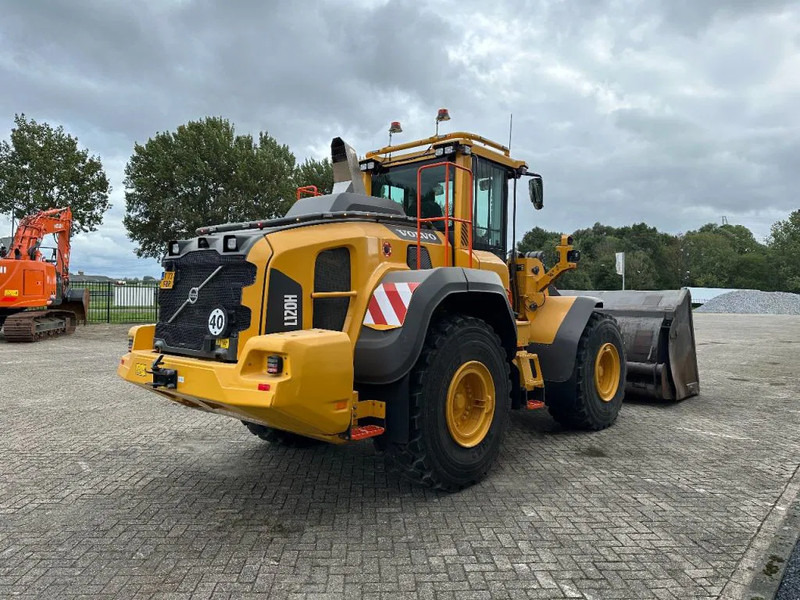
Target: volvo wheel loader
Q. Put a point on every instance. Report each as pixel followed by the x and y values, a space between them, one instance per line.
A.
pixel 390 309
pixel 36 300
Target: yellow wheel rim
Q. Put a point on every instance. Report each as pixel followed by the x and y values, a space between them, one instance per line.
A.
pixel 470 404
pixel 606 372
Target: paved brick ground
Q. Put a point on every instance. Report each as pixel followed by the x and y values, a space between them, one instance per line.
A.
pixel 108 491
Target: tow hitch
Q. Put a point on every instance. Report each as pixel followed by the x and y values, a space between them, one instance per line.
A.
pixel 166 378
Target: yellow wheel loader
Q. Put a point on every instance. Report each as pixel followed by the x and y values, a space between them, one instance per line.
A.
pixel 394 309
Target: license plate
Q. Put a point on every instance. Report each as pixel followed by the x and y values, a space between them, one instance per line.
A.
pixel 141 370
pixel 11 293
pixel 168 280
pixel 224 343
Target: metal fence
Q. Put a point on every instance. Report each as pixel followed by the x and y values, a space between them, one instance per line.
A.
pixel 111 302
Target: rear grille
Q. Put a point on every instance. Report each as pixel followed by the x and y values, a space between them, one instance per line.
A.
pixel 189 330
pixel 331 274
pixel 411 257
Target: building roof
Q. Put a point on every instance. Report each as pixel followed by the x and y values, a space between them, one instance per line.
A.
pixel 81 277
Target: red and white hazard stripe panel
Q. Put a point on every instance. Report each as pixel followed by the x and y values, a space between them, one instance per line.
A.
pixel 389 303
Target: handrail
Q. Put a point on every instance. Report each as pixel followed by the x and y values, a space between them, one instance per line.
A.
pixel 446 218
pixel 307 189
pixel 435 139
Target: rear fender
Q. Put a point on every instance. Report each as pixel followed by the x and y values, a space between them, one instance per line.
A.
pixel 385 355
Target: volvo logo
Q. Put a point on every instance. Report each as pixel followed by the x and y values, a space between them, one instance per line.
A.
pixel 193 294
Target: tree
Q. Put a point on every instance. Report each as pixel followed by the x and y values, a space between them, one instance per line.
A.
pixel 43 168
pixel 784 246
pixel 203 174
pixel 713 255
pixel 710 258
pixel 315 172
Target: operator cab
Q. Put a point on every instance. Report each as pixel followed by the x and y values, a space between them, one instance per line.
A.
pixel 442 178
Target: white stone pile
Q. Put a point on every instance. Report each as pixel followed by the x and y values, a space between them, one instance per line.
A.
pixel 753 302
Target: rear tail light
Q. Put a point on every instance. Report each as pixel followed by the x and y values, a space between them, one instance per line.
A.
pixel 274 364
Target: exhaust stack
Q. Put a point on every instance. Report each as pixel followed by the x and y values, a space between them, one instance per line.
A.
pixel 346 173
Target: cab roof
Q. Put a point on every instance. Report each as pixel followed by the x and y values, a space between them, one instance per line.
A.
pixel 479 145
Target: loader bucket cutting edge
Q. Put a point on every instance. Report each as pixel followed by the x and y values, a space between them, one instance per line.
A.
pixel 77 301
pixel 658 332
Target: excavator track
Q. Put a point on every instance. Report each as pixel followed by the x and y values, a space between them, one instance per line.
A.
pixel 32 326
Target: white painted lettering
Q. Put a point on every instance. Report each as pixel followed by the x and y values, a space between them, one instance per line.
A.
pixel 289 310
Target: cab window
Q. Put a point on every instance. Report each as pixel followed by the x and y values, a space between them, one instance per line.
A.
pixel 400 185
pixel 490 199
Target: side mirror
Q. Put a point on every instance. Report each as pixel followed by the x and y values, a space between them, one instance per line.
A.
pixel 536 191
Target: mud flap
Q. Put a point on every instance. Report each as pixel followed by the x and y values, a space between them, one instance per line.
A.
pixel 658 331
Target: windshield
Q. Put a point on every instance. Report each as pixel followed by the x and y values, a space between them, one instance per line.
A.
pixel 400 184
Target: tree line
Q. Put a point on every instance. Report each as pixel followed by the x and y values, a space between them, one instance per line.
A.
pixel 204 173
pixel 726 256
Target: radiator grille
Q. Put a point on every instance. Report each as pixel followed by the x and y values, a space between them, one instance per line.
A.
pixel 189 329
pixel 331 274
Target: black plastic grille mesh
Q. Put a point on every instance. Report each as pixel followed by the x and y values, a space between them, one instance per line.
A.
pixel 332 271
pixel 331 274
pixel 224 290
pixel 411 257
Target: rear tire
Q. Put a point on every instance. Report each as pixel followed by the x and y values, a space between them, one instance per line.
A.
pixel 278 437
pixel 459 406
pixel 592 397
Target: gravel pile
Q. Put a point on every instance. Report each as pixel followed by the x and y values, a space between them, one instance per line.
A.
pixel 754 302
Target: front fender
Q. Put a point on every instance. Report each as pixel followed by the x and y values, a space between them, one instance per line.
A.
pixel 557 358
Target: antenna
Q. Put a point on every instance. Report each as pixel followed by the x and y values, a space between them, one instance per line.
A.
pixel 510 128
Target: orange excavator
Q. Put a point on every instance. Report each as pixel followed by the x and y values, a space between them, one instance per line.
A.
pixel 36 300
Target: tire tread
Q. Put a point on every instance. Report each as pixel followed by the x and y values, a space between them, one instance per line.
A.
pixel 412 460
pixel 567 408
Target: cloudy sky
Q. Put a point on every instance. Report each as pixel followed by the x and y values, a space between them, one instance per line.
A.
pixel 671 112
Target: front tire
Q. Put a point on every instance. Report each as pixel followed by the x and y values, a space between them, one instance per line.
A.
pixel 459 406
pixel 592 397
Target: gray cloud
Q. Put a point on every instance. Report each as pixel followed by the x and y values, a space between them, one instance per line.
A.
pixel 674 113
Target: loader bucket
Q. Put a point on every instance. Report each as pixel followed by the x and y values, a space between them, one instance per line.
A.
pixel 659 340
pixel 76 301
